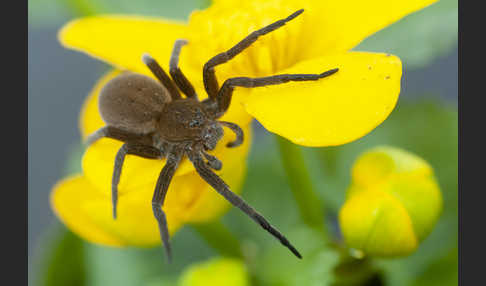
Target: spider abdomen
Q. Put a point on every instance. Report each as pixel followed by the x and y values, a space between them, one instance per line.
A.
pixel 133 102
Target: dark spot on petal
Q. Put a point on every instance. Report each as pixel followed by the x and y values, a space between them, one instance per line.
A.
pixel 387 77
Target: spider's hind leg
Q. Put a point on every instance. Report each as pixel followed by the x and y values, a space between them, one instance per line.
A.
pixel 222 188
pixel 160 74
pixel 161 188
pixel 127 148
pixel 113 133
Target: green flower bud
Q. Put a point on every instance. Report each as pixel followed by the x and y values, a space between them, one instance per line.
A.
pixel 216 272
pixel 392 204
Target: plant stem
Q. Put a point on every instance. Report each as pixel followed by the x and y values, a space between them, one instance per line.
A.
pixel 81 8
pixel 310 206
pixel 219 238
pixel 329 157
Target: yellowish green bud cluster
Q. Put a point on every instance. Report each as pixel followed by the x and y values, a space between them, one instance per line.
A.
pixel 216 272
pixel 392 204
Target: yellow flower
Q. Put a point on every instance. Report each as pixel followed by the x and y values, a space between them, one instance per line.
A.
pixel 331 111
pixel 392 204
pixel 216 272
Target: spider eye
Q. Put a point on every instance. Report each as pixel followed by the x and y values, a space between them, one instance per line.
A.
pixel 194 123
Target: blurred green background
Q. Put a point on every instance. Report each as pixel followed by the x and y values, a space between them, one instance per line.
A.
pixel 424 122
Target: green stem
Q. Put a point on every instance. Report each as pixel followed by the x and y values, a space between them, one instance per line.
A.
pixel 82 8
pixel 310 206
pixel 329 157
pixel 205 3
pixel 219 238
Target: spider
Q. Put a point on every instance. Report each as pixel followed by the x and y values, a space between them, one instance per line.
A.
pixel 154 121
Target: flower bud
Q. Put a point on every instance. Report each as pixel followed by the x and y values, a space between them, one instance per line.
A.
pixel 216 272
pixel 392 204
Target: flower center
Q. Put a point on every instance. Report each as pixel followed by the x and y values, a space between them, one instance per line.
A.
pixel 220 27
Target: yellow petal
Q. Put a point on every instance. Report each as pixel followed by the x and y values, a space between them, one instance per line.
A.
pixel 380 163
pixel 422 198
pixel 344 24
pixel 334 110
pixel 87 212
pixel 326 27
pixel 122 40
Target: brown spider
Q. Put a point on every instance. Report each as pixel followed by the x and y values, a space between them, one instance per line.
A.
pixel 154 121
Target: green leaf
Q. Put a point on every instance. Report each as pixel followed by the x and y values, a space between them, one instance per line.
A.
pixel 420 37
pixel 163 282
pixel 62 260
pixel 163 8
pixel 142 266
pixel 443 272
pixel 48 12
pixel 278 268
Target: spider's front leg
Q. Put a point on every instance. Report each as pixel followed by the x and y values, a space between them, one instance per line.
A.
pixel 222 188
pixel 209 74
pixel 179 78
pixel 226 92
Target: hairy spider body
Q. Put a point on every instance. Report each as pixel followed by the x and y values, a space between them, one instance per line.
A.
pixel 154 121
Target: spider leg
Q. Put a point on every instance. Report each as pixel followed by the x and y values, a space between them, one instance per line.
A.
pixel 209 75
pixel 127 148
pixel 180 80
pixel 116 133
pixel 213 162
pixel 237 130
pixel 161 188
pixel 161 76
pixel 220 186
pixel 226 91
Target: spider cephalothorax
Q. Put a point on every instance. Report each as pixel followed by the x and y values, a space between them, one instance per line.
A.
pixel 154 121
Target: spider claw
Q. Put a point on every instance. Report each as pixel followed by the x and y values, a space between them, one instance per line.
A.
pixel 168 254
pixel 233 144
pixel 295 14
pixel 328 73
pixel 182 42
pixel 114 202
